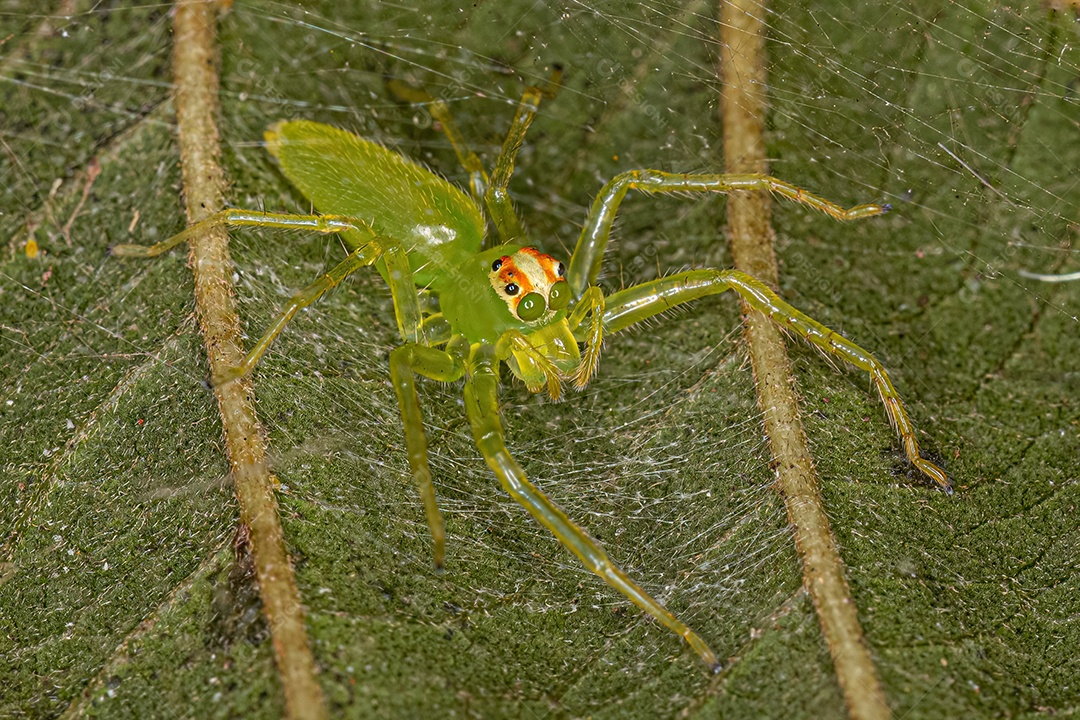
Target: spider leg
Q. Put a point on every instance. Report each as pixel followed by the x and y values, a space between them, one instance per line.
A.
pixel 478 177
pixel 491 191
pixel 482 407
pixel 441 365
pixel 591 303
pixel 637 303
pixel 368 248
pixel 496 198
pixel 397 263
pixel 514 341
pixel 241 217
pixel 589 252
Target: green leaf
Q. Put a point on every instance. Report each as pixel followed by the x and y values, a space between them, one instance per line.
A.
pixel 119 583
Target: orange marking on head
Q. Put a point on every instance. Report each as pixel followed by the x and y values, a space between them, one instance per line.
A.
pixel 549 264
pixel 509 273
pixel 530 270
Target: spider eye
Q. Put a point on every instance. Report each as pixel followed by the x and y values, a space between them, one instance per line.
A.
pixel 561 270
pixel 496 265
pixel 531 306
pixel 559 295
pixel 512 289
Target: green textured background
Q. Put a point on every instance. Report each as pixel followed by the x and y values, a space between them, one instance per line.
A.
pixel 118 578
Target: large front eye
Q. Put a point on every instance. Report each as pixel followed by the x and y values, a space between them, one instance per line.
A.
pixel 559 295
pixel 531 306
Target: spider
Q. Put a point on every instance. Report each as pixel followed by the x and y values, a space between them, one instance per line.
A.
pixel 503 302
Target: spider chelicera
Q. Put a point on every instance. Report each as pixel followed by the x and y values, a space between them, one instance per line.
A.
pixel 505 303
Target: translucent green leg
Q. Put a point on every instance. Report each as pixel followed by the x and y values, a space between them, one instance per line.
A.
pixel 496 197
pixel 513 341
pixel 481 405
pixel 441 365
pixel 637 303
pixel 478 178
pixel 585 263
pixel 492 192
pixel 406 301
pixel 363 257
pixel 239 217
pixel 591 303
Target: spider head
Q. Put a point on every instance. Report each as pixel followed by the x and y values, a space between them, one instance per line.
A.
pixel 533 285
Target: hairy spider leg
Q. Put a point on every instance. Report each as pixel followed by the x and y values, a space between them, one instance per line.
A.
pixel 406 302
pixel 634 304
pixel 237 217
pixel 589 252
pixel 493 190
pixel 497 199
pixel 441 365
pixel 482 408
pixel 515 340
pixel 478 177
pixel 591 304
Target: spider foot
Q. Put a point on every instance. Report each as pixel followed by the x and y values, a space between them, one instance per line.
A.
pixel 126 250
pixel 226 376
pixel 935 473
